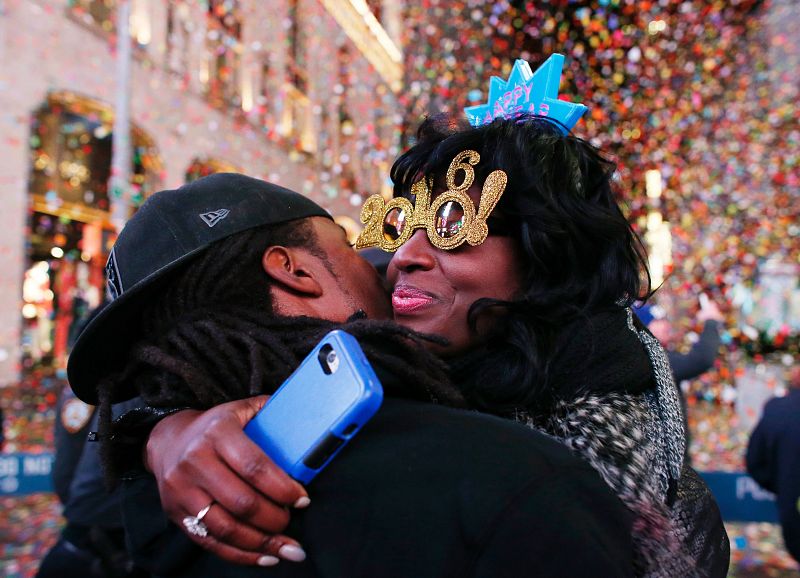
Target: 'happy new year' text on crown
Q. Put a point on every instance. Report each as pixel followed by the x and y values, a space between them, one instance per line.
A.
pixel 527 92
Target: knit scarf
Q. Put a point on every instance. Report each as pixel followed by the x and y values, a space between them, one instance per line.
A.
pixel 614 402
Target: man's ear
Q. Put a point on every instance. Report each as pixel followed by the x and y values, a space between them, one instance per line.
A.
pixel 292 269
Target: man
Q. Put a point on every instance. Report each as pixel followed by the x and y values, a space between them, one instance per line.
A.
pixel 773 458
pixel 218 286
pixel 92 543
pixel 700 358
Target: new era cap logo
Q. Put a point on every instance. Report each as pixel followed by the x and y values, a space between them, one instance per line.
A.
pixel 211 218
pixel 113 280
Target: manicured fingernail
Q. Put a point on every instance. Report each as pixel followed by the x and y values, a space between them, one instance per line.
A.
pixel 267 561
pixel 292 553
pixel 302 502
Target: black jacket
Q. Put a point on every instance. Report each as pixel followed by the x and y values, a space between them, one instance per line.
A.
pixel 773 460
pixel 77 472
pixel 427 491
pixel 700 357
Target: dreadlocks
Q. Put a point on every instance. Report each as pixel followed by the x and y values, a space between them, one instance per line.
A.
pixel 212 335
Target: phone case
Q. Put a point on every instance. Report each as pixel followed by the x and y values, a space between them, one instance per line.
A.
pixel 315 412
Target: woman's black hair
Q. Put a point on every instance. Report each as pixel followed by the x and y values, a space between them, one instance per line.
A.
pixel 579 253
pixel 213 336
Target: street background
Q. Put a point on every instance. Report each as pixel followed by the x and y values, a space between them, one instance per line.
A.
pixel 695 100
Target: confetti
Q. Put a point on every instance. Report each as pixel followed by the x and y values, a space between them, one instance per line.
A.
pixel 704 91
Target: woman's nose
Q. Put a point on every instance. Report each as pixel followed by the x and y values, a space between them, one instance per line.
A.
pixel 415 253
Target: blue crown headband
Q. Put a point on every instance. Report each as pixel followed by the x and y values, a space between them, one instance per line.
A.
pixel 528 92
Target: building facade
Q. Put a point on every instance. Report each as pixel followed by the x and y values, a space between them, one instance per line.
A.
pixel 299 92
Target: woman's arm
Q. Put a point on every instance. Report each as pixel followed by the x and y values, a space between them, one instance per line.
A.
pixel 202 457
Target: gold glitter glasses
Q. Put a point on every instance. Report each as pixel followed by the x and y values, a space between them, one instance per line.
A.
pixel 450 220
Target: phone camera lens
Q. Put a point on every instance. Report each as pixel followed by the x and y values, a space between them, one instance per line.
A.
pixel 333 361
pixel 328 359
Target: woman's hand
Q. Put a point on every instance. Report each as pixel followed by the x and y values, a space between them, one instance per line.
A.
pixel 709 311
pixel 200 458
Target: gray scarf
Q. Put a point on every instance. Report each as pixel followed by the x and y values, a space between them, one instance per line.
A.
pixel 635 441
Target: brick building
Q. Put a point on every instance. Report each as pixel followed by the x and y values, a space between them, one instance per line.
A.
pixel 299 92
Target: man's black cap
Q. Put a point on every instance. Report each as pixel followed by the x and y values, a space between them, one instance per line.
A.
pixel 169 228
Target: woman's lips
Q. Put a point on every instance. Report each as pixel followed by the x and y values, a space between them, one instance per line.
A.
pixel 406 299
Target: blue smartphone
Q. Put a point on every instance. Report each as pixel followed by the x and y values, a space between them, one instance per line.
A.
pixel 319 408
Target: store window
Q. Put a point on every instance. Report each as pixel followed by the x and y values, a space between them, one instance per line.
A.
pixel 179 27
pixel 203 167
pixel 102 14
pixel 376 7
pixel 342 89
pixel 95 13
pixel 297 119
pixel 69 229
pixel 268 94
pixel 222 67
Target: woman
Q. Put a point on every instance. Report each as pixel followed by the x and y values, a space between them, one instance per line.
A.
pixel 536 314
pixel 561 351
